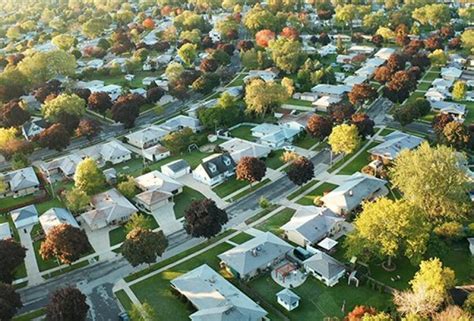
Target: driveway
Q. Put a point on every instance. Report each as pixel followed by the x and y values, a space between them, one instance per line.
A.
pixel 166 219
pixel 204 189
pixel 32 270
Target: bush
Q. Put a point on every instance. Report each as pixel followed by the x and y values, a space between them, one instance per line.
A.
pixel 264 203
pixel 449 231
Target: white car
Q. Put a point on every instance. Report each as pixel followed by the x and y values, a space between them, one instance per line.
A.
pixel 289 148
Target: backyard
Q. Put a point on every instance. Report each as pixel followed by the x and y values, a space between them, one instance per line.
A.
pixel 243 132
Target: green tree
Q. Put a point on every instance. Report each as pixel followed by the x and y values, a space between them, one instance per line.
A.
pixel 467 39
pixel 143 246
pixel 344 139
pixel 138 221
pixel 94 27
pixel 188 53
pixel 88 177
pixel 77 200
pixel 259 18
pixel 174 71
pixel 178 141
pixel 287 54
pixel 13 33
pixel 438 58
pixel 432 179
pixel 127 187
pixel 63 104
pixel 459 90
pixel 261 96
pixel 64 41
pixel 7 135
pixel 434 15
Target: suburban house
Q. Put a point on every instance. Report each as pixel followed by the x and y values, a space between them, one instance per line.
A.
pixel 108 208
pixel 353 191
pixel 324 268
pixel 331 90
pixel 20 182
pixel 451 73
pixel 442 84
pixel 176 169
pixel 393 144
pixel 59 168
pixel 33 127
pixel 25 216
pixel 458 111
pixel 328 49
pixel 266 75
pixel 374 62
pixel 352 80
pixel 5 232
pixel 366 71
pixel 274 136
pixel 146 137
pixel 113 152
pixel 56 216
pixel 238 148
pixel 306 96
pixel 323 103
pixel 156 153
pixel 359 49
pixel 250 258
pixel 215 298
pixel 310 224
pixel 180 122
pixel 288 299
pixel 157 190
pixel 384 53
pixel 215 169
pixel 436 94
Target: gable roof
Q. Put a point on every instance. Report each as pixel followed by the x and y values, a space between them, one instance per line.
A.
pixel 67 164
pixel 325 265
pixel 394 143
pixel 5 232
pixel 449 107
pixel 31 127
pixel 218 164
pixel 176 165
pixel 22 179
pixel 146 135
pixel 180 121
pixel 23 213
pixel 56 216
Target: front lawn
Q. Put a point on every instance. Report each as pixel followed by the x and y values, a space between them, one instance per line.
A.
pixel 414 96
pixel 424 86
pixel 305 142
pixel 273 160
pixel 430 76
pixel 302 189
pixel 309 198
pixel 124 300
pixel 230 186
pixel 183 200
pixel 241 238
pixel 386 131
pixel 243 132
pixel 298 102
pixel 274 223
pixel 359 162
pixel 248 191
pixel 10 202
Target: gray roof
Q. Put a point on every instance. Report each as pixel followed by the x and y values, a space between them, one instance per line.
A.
pixel 216 298
pixel 394 143
pixel 177 165
pixel 5 232
pixel 288 296
pixel 24 213
pixel 22 179
pixel 256 253
pixel 56 216
pixel 325 265
pixel 30 127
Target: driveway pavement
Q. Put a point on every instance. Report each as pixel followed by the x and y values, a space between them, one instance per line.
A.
pixel 32 270
pixel 167 220
pixel 206 190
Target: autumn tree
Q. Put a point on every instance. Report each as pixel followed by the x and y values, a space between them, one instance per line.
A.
pixel 319 126
pixel 13 114
pixel 360 311
pixel 261 96
pixel 399 87
pixel 459 90
pixel 188 53
pixel 10 302
pixel 208 65
pixel 440 121
pixel 301 170
pixel 88 177
pixel 287 54
pixel 66 243
pixel 178 141
pixel 76 200
pixel 138 221
pixel 143 246
pixel 365 125
pixel 383 74
pixel 290 33
pixel 344 138
pixel 361 93
pixel 431 179
pixel 204 219
pixel 455 134
pixel 63 104
pixel 341 112
pixel 99 102
pixel 12 255
pixel 250 169
pixel 88 128
pixel 263 37
pixel 127 187
pixel 54 137
pixel 67 304
pixel 206 83
pixel 438 58
pixel 395 63
pixel 433 15
pixel 126 111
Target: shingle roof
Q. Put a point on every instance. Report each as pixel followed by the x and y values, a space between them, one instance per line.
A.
pixel 288 296
pixel 55 216
pixel 218 164
pixel 177 165
pixel 24 213
pixel 22 178
pixel 324 265
pixel 394 143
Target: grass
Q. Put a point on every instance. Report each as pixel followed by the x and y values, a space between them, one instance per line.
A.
pixel 423 86
pixel 344 159
pixel 239 81
pixel 273 160
pixel 117 235
pixel 241 238
pixel 9 202
pixel 359 162
pixel 156 290
pixel 125 301
pixel 243 132
pixel 305 142
pixel 386 131
pixel 230 186
pixel 470 111
pixel 430 76
pixel 183 200
pixel 67 269
pixel 274 223
pixel 298 102
pixel 30 315
pixel 261 214
pixel 43 207
pixel 414 96
pixel 309 198
pixel 302 189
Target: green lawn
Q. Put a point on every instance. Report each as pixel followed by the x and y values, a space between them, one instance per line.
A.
pixel 470 111
pixel 424 86
pixel 309 198
pixel 43 207
pixel 183 200
pixel 241 238
pixel 30 316
pixel 430 76
pixel 414 96
pixel 238 81
pixel 274 223
pixel 156 290
pixel 273 160
pixel 117 235
pixel 302 189
pixel 298 102
pixel 20 272
pixel 9 202
pixel 386 131
pixel 359 162
pixel 230 186
pixel 243 132
pixel 305 142
pixel 124 300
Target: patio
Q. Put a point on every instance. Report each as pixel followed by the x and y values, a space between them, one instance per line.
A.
pixel 288 275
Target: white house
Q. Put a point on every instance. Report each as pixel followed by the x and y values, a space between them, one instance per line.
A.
pixel 360 49
pixel 352 80
pixel 25 216
pixel 33 127
pixel 157 190
pixel 20 182
pixel 59 168
pixel 176 169
pixel 442 84
pixel 393 144
pixel 374 62
pixel 180 122
pixel 323 103
pixel 458 111
pixel 330 90
pixel 324 268
pixel 56 216
pixel 146 137
pixel 385 53
pixel 238 148
pixel 113 152
pixel 434 94
pixel 366 71
pixel 328 49
pixel 274 136
pixel 266 75
pixel 288 299
pixel 215 169
pixel 451 73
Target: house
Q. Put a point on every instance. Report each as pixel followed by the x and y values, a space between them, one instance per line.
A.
pixel 374 62
pixel 311 224
pixel 108 208
pixel 215 298
pixel 306 96
pixel 146 137
pixel 238 148
pixel 58 168
pixel 393 144
pixel 434 94
pixel 157 190
pixel 25 216
pixel 353 191
pixel 458 111
pixel 156 153
pixel 250 258
pixel 328 49
pixel 451 73
pixel 330 90
pixel 215 169
pixel 5 232
pixel 111 152
pixel 274 136
pixel 288 299
pixel 20 182
pixel 342 37
pixel 324 268
pixel 367 71
pixel 180 122
pixel 114 91
pixel 176 169
pixel 345 59
pixel 56 216
pixel 442 84
pixel 266 75
pixel 33 127
pixel 352 80
pixel 359 49
pixel 385 53
pixel 110 175
pixel 323 103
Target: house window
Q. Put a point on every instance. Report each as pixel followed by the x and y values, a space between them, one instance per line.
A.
pixel 226 160
pixel 212 167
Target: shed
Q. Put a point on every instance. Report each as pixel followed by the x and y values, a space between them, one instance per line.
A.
pixel 288 299
pixel 176 169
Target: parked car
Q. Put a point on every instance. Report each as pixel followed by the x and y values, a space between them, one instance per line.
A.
pixel 289 148
pixel 123 316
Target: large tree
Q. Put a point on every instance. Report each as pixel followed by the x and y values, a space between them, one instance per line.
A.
pixel 455 134
pixel 76 200
pixel 188 53
pixel 67 304
pixel 459 90
pixel 12 254
pixel 263 37
pixel 261 96
pixel 344 139
pixel 319 126
pixel 250 169
pixel 63 104
pixel 287 54
pixel 13 114
pixel 143 246
pixel 88 177
pixel 127 108
pixel 99 102
pixel 54 137
pixel 301 170
pixel 365 125
pixel 178 141
pixel 10 302
pixel 206 83
pixel 88 128
pixel 432 179
pixel 66 243
pixel 361 93
pixel 341 112
pixel 399 87
pixel 433 15
pixel 204 219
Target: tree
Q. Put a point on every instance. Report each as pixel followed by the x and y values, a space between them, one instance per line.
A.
pixel 395 63
pixel 261 96
pixel 13 114
pixel 204 219
pixel 77 200
pixel 188 53
pixel 360 311
pixel 10 302
pixel 319 126
pixel 459 90
pixel 439 122
pixel 385 229
pixel 206 83
pixel 341 112
pixel 301 170
pixel 290 33
pixel 67 304
pixel 99 102
pixel 12 254
pixel 399 87
pixel 148 23
pixel 64 41
pixel 63 104
pixel 178 141
pixel 365 125
pixel 383 74
pixel 140 221
pixel 94 27
pixel 452 313
pixel 345 14
pixel 208 65
pixel 287 54
pixel 66 243
pixel 143 246
pixel 429 289
pixel 431 179
pixel 125 111
pixel 250 169
pixel 438 58
pixel 88 128
pixel 433 15
pixel 54 137
pixel 455 134
pixel 259 18
pixel 88 177
pixel 127 187
pixel 434 42
pixel 344 138
pixel 361 93
pixel 263 37
pixel 467 39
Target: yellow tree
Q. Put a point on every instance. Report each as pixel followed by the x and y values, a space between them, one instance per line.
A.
pixel 88 177
pixel 261 96
pixel 344 139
